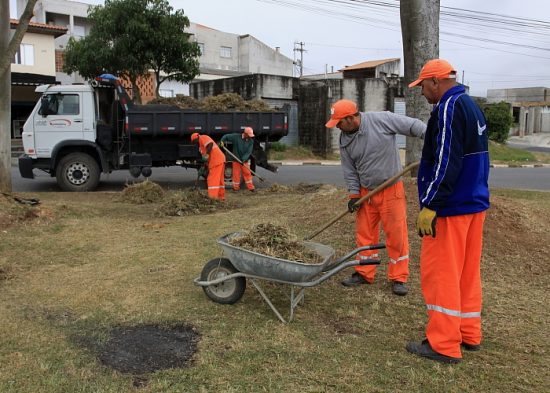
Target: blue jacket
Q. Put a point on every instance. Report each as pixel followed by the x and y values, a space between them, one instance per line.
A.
pixel 454 169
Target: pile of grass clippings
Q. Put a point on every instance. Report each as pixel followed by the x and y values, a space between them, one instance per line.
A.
pixel 277 188
pixel 226 102
pixel 188 202
pixel 142 193
pixel 275 241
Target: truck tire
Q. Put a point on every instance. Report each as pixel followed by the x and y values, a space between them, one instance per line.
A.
pixel 77 172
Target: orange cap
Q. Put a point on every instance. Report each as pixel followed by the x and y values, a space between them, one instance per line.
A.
pixel 436 68
pixel 339 110
pixel 194 136
pixel 249 131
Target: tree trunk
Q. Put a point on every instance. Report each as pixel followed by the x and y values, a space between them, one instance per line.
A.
pixel 420 32
pixel 5 102
pixel 10 50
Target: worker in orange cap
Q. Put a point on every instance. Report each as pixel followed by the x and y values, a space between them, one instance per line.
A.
pixel 369 156
pixel 242 146
pixel 215 159
pixel 454 195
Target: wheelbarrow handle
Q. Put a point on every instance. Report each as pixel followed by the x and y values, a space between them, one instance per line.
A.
pixel 376 246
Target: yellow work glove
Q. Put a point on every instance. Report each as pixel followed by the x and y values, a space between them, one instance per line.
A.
pixel 425 224
pixel 222 144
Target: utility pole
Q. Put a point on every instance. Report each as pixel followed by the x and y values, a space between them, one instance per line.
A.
pixel 299 63
pixel 5 102
pixel 420 33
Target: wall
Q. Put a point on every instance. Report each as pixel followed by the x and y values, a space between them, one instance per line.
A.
pixel 44 55
pixel 214 39
pixel 527 94
pixel 258 58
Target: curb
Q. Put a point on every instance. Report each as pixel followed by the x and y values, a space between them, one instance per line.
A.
pixel 334 163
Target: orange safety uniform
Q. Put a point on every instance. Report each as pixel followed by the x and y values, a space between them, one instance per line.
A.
pixel 216 167
pixel 389 208
pixel 236 175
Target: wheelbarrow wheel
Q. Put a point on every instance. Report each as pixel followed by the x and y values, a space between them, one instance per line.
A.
pixel 226 292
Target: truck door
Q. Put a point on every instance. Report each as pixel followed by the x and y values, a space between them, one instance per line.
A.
pixel 59 118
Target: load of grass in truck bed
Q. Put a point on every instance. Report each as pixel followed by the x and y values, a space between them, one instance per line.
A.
pixel 275 241
pixel 226 102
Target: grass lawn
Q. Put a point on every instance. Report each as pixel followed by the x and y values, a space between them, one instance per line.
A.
pixel 82 264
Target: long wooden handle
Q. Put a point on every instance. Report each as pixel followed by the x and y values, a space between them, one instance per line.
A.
pixel 240 162
pixel 382 186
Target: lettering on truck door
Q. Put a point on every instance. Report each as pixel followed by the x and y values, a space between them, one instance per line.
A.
pixel 59 118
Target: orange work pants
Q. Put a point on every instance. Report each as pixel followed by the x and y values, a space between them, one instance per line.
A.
pixel 216 182
pixel 390 208
pixel 236 175
pixel 451 282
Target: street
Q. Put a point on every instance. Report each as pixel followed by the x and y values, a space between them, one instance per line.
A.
pixel 175 177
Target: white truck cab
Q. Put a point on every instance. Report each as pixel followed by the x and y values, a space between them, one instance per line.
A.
pixel 63 113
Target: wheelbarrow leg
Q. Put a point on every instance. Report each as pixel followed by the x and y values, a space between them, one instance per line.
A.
pixel 295 300
pixel 268 301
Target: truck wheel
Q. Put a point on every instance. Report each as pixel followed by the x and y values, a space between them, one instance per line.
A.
pixel 226 292
pixel 77 172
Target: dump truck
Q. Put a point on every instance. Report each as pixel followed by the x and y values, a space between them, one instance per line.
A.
pixel 77 132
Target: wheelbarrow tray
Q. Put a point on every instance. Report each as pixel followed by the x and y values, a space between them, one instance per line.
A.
pixel 272 268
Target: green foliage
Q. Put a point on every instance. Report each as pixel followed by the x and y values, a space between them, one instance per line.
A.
pixel 129 37
pixel 500 153
pixel 499 120
pixel 277 146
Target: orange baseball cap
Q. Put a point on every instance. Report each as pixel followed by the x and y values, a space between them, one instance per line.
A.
pixel 339 110
pixel 194 136
pixel 249 131
pixel 436 68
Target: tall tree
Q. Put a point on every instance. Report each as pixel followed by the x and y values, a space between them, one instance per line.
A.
pixel 130 37
pixel 173 55
pixel 420 33
pixel 8 48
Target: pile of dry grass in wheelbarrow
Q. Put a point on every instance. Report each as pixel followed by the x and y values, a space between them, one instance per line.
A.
pixel 275 241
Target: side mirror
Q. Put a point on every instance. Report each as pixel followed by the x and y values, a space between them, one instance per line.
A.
pixel 44 106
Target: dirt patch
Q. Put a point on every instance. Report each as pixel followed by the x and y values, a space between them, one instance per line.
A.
pixel 6 273
pixel 15 209
pixel 188 202
pixel 142 193
pixel 275 241
pixel 149 348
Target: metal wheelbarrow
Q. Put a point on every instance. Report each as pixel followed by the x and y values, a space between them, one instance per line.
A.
pixel 223 279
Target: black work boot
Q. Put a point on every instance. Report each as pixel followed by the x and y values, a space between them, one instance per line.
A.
pixel 354 279
pixel 399 288
pixel 471 347
pixel 425 350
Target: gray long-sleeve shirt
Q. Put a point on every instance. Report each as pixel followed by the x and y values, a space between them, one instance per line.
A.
pixel 370 156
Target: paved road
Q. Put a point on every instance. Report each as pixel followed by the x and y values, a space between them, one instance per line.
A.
pixel 175 178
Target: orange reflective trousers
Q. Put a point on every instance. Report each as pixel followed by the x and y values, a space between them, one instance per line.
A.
pixel 236 175
pixel 216 182
pixel 216 167
pixel 451 282
pixel 390 208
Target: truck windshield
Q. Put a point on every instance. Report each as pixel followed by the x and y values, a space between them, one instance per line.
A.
pixel 60 104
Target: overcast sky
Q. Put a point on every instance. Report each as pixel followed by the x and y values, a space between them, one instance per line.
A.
pixel 337 34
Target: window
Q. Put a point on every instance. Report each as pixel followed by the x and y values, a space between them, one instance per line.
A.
pixel 166 93
pixel 25 55
pixel 60 104
pixel 225 51
pixel 201 47
pixel 79 31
